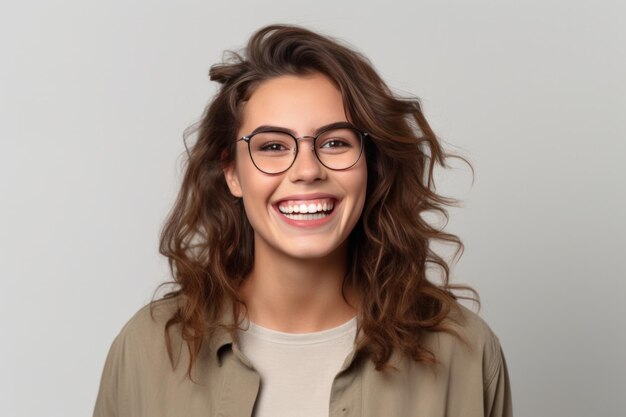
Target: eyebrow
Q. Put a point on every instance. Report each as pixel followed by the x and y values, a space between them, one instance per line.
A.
pixel 334 125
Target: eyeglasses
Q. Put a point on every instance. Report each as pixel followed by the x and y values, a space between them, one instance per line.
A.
pixel 274 151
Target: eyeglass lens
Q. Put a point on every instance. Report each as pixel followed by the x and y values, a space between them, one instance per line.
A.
pixel 274 152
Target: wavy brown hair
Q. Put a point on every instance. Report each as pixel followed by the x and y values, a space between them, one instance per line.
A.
pixel 209 242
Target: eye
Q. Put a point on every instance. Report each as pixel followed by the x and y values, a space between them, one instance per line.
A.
pixel 271 143
pixel 336 143
pixel 275 146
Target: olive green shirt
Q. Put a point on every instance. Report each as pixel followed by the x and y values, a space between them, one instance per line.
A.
pixel 471 379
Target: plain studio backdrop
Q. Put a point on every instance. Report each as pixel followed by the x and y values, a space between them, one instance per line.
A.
pixel 94 99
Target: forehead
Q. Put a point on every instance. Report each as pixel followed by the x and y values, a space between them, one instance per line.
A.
pixel 301 103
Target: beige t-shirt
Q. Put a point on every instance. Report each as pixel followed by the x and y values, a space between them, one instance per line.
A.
pixel 297 369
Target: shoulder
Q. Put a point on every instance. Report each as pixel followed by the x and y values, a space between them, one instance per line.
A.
pixel 136 359
pixel 142 339
pixel 476 344
pixel 469 377
pixel 473 327
pixel 484 358
pixel 150 319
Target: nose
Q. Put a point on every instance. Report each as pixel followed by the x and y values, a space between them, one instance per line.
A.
pixel 306 167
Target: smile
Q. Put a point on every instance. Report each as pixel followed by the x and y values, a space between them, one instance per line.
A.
pixel 307 210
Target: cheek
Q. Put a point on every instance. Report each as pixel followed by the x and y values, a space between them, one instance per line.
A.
pixel 257 192
pixel 248 175
pixel 360 182
pixel 356 185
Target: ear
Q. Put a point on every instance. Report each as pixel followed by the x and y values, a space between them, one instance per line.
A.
pixel 232 180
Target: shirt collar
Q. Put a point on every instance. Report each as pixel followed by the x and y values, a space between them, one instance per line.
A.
pixel 222 337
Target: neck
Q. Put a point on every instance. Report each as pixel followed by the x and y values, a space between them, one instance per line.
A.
pixel 297 295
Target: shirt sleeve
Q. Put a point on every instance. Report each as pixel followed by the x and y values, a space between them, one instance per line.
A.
pixel 497 393
pixel 107 401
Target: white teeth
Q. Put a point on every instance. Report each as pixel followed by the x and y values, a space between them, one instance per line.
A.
pixel 304 208
pixel 314 216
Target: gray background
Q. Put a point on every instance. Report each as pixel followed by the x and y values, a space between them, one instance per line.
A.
pixel 95 96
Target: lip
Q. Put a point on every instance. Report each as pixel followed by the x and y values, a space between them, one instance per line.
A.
pixel 307 224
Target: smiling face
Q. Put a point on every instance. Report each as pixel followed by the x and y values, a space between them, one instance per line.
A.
pixel 309 210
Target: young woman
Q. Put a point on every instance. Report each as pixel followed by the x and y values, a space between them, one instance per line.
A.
pixel 300 257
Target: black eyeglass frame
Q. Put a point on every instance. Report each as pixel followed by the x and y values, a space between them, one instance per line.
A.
pixel 248 138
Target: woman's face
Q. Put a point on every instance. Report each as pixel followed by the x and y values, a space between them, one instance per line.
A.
pixel 301 104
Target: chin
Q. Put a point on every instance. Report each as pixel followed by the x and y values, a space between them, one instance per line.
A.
pixel 308 254
pixel 310 250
